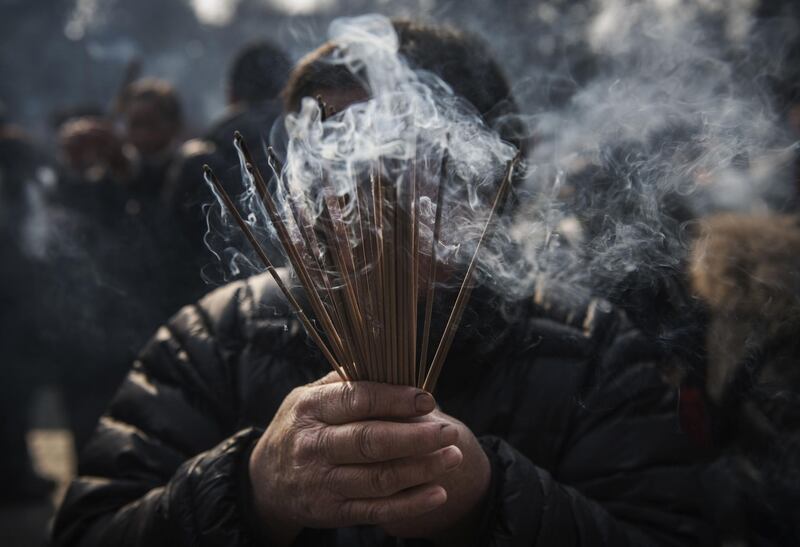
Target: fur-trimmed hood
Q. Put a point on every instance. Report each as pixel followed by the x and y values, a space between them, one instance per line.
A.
pixel 746 268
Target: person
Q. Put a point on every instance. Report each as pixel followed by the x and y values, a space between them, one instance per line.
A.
pixel 257 75
pixel 91 151
pixel 255 79
pixel 745 268
pixel 153 121
pixel 24 171
pixel 87 276
pixel 107 248
pixel 153 124
pixel 551 425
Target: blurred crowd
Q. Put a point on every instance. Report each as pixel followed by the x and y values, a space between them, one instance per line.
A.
pixel 102 240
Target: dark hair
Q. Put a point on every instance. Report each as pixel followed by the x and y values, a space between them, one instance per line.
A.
pixel 61 116
pixel 258 73
pixel 460 59
pixel 161 93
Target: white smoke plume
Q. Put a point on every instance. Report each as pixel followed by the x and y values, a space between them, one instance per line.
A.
pixel 403 133
pixel 674 122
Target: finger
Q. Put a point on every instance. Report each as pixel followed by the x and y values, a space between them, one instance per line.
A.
pixel 379 480
pixel 375 441
pixel 331 378
pixel 404 505
pixel 344 402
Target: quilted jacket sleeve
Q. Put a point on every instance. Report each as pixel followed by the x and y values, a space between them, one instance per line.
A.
pixel 626 474
pixel 163 467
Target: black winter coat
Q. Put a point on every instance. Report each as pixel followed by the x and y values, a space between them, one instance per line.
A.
pixel 580 430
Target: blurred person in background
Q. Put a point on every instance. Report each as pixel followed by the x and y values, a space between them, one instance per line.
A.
pixel 255 79
pixel 746 269
pixel 153 122
pixel 784 84
pixel 91 274
pixel 108 279
pixel 23 171
pixel 92 151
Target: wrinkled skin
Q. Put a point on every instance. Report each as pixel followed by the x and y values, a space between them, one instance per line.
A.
pixel 340 454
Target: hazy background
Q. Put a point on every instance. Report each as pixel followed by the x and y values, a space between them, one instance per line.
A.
pixel 58 54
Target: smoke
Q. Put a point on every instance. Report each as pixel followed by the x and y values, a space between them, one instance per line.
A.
pixel 672 121
pixel 413 131
pixel 85 15
pixel 675 123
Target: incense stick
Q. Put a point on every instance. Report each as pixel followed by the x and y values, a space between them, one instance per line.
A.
pixel 431 280
pixel 310 240
pixel 294 257
pixel 466 286
pixel 212 179
pixel 358 264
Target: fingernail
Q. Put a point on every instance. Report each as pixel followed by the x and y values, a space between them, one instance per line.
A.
pixel 424 402
pixel 449 434
pixel 438 496
pixel 451 457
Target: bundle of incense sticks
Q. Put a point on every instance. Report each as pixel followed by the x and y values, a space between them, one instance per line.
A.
pixel 358 262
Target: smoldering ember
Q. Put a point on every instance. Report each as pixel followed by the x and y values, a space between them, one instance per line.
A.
pixel 357 272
